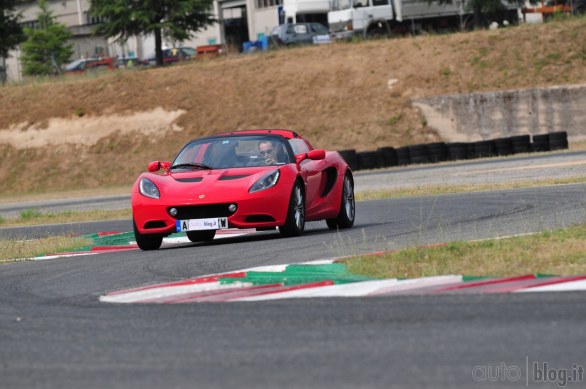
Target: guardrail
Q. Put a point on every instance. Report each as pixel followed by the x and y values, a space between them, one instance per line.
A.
pixel 442 152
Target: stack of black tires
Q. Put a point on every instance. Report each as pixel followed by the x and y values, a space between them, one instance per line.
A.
pixel 441 152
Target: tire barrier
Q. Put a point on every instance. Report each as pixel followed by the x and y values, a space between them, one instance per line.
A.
pixel 540 143
pixel 440 152
pixel 403 156
pixel 521 144
pixel 558 140
pixel 350 158
pixel 387 156
pixel 368 160
pixel 457 151
pixel 503 146
pixel 419 154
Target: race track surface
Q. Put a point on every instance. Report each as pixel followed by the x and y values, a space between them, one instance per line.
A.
pixel 55 333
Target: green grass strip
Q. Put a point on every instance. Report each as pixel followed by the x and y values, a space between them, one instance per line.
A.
pixel 300 274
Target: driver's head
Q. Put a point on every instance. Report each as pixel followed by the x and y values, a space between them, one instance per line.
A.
pixel 267 149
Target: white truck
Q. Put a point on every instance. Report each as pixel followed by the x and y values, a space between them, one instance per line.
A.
pixel 383 17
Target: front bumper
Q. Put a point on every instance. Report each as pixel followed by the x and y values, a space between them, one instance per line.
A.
pixel 266 208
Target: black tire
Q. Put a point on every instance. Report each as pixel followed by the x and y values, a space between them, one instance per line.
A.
pixel 147 242
pixel 457 151
pixel 295 223
pixel 367 160
pixel 521 144
pixel 345 218
pixel 419 154
pixel 200 236
pixel 540 143
pixel 558 140
pixel 484 149
pixel 503 146
pixel 387 156
pixel 403 157
pixel 350 158
pixel 438 152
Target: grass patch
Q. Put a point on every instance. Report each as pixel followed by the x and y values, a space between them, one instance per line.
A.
pixel 13 250
pixel 431 190
pixel 35 217
pixel 559 252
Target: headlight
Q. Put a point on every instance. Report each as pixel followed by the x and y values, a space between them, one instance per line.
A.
pixel 148 188
pixel 267 181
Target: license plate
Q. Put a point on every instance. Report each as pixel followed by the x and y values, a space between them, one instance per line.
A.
pixel 215 223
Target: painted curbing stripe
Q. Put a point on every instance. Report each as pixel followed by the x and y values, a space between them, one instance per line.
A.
pixel 560 284
pixel 189 281
pixel 559 287
pixel 356 289
pixel 163 293
pixel 476 284
pixel 419 284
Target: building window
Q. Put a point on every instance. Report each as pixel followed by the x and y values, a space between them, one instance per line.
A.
pixel 91 19
pixel 268 3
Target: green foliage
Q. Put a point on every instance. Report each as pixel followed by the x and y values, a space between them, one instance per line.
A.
pixel 46 49
pixel 29 214
pixel 11 34
pixel 174 19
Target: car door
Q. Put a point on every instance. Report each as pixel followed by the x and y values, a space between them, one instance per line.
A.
pixel 312 173
pixel 302 34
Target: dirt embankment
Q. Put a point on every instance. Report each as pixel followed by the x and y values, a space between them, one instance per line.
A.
pixel 94 132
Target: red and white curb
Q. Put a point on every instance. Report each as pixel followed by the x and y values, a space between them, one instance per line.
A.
pixel 167 242
pixel 212 289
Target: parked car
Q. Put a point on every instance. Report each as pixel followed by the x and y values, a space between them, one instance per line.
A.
pixel 173 55
pixel 263 179
pixel 299 33
pixel 89 64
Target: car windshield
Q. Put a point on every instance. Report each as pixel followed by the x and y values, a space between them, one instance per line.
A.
pixel 189 51
pixel 342 4
pixel 224 152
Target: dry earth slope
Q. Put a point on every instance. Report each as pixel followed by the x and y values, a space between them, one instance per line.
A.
pixel 90 132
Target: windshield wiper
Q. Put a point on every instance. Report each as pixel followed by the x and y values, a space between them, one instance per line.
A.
pixel 191 165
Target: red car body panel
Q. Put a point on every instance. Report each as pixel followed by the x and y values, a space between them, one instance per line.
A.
pixel 322 179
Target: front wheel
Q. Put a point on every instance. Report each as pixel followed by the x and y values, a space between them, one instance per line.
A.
pixel 295 223
pixel 345 218
pixel 147 242
pixel 200 236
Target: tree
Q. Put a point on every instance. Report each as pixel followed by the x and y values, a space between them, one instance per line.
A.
pixel 176 19
pixel 11 34
pixel 46 48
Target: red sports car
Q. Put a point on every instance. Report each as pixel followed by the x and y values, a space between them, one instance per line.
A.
pixel 260 179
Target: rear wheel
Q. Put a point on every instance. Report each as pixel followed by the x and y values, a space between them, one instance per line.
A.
pixel 345 218
pixel 147 242
pixel 200 236
pixel 295 223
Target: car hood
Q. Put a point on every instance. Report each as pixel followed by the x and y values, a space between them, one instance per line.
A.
pixel 224 184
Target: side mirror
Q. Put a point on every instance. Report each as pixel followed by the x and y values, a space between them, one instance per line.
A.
pixel 317 154
pixel 155 166
pixel 314 155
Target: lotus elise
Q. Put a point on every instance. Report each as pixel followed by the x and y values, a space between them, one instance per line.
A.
pixel 262 179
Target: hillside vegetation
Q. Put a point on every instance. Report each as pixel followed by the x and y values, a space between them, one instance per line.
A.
pixel 101 131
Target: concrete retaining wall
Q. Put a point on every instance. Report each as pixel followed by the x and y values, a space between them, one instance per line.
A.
pixel 479 116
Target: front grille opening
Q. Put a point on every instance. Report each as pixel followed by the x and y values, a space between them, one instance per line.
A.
pixel 202 211
pixel 259 218
pixel 155 224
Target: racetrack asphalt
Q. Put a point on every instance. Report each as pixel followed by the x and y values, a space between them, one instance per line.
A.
pixel 54 333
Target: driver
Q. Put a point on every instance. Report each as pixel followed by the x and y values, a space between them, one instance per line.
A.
pixel 269 151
